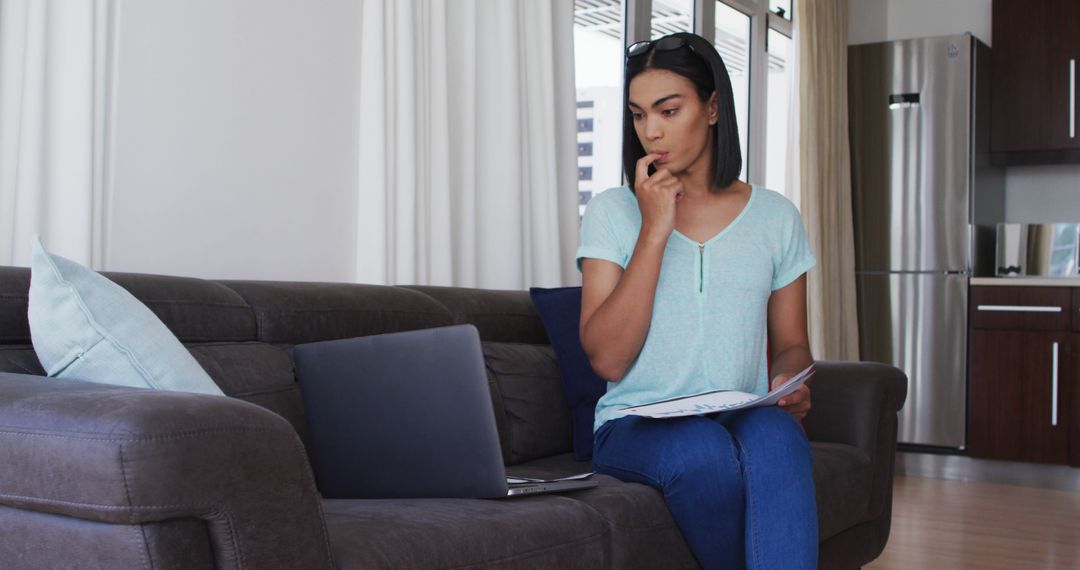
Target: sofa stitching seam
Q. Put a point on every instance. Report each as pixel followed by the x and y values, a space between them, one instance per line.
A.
pixel 195 303
pixel 124 478
pixel 506 413
pixel 360 310
pixel 144 551
pixel 614 526
pixel 310 477
pixel 240 558
pixel 522 315
pixel 42 500
pixel 25 369
pixel 535 551
pixel 290 388
pixel 146 555
pixel 141 439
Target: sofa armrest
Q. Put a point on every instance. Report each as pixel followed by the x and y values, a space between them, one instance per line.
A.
pixel 852 400
pixel 856 403
pixel 129 456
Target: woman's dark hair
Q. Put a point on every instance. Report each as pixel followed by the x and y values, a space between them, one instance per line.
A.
pixel 706 70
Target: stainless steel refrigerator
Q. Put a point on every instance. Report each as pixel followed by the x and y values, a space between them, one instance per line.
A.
pixel 925 201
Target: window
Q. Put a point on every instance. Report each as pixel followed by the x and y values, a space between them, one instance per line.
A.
pixel 778 105
pixel 732 41
pixel 598 61
pixel 781 8
pixel 670 16
pixel 584 173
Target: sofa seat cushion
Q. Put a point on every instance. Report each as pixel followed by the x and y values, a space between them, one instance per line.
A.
pixel 643 533
pixel 550 531
pixel 641 524
pixel 842 481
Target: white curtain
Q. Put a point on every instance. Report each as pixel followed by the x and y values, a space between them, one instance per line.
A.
pixel 56 71
pixel 467 143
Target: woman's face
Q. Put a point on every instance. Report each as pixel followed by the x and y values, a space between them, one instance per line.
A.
pixel 671 120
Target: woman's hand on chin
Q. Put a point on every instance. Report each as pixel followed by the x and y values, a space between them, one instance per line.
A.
pixel 657 196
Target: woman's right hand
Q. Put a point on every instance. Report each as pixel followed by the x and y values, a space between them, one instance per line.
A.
pixel 657 196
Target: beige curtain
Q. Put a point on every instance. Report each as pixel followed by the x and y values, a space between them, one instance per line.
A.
pixel 825 177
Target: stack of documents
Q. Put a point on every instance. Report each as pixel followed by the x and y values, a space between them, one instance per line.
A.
pixel 718 401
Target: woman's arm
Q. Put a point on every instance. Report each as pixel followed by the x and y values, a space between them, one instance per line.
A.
pixel 616 306
pixel 789 343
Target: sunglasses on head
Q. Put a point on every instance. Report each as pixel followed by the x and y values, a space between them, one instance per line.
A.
pixel 667 43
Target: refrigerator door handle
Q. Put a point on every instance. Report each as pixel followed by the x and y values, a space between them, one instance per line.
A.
pixel 1054 393
pixel 1020 308
pixel 1072 98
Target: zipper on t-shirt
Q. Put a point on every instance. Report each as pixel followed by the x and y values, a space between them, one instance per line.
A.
pixel 701 267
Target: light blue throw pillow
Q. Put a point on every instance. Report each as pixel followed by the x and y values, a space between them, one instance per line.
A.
pixel 85 327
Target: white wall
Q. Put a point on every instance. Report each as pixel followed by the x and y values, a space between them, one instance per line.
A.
pixel 887 20
pixel 1048 193
pixel 235 151
pixel 868 21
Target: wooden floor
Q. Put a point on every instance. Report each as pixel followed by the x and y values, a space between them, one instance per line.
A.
pixel 961 524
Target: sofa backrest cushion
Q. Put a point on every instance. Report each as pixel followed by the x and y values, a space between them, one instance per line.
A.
pixel 530 410
pixel 500 316
pixel 195 310
pixel 296 313
pixel 242 332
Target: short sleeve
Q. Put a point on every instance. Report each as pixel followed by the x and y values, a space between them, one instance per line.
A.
pixel 795 257
pixel 599 236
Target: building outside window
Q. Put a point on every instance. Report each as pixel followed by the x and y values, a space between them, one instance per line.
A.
pixel 598 61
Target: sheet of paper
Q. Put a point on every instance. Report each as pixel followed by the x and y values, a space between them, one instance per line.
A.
pixel 718 401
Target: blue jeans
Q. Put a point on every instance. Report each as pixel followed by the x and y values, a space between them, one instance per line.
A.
pixel 739 484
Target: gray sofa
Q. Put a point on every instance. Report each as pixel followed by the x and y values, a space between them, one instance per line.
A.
pixel 97 476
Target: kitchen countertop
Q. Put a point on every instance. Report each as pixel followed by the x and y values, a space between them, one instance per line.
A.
pixel 1027 281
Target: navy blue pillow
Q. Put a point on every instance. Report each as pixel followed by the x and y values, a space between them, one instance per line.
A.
pixel 560 309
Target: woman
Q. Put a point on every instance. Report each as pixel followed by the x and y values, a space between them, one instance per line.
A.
pixel 687 278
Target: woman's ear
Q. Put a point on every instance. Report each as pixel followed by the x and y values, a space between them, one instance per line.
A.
pixel 713 109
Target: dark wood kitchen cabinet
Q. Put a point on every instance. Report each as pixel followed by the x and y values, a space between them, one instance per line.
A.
pixel 1034 81
pixel 1024 357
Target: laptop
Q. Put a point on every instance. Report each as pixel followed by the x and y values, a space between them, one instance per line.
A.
pixel 407 415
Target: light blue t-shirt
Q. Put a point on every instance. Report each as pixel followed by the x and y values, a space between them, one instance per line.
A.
pixel 709 320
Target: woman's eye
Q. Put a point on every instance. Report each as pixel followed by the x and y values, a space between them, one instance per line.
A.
pixel 669 112
pixel 637 116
